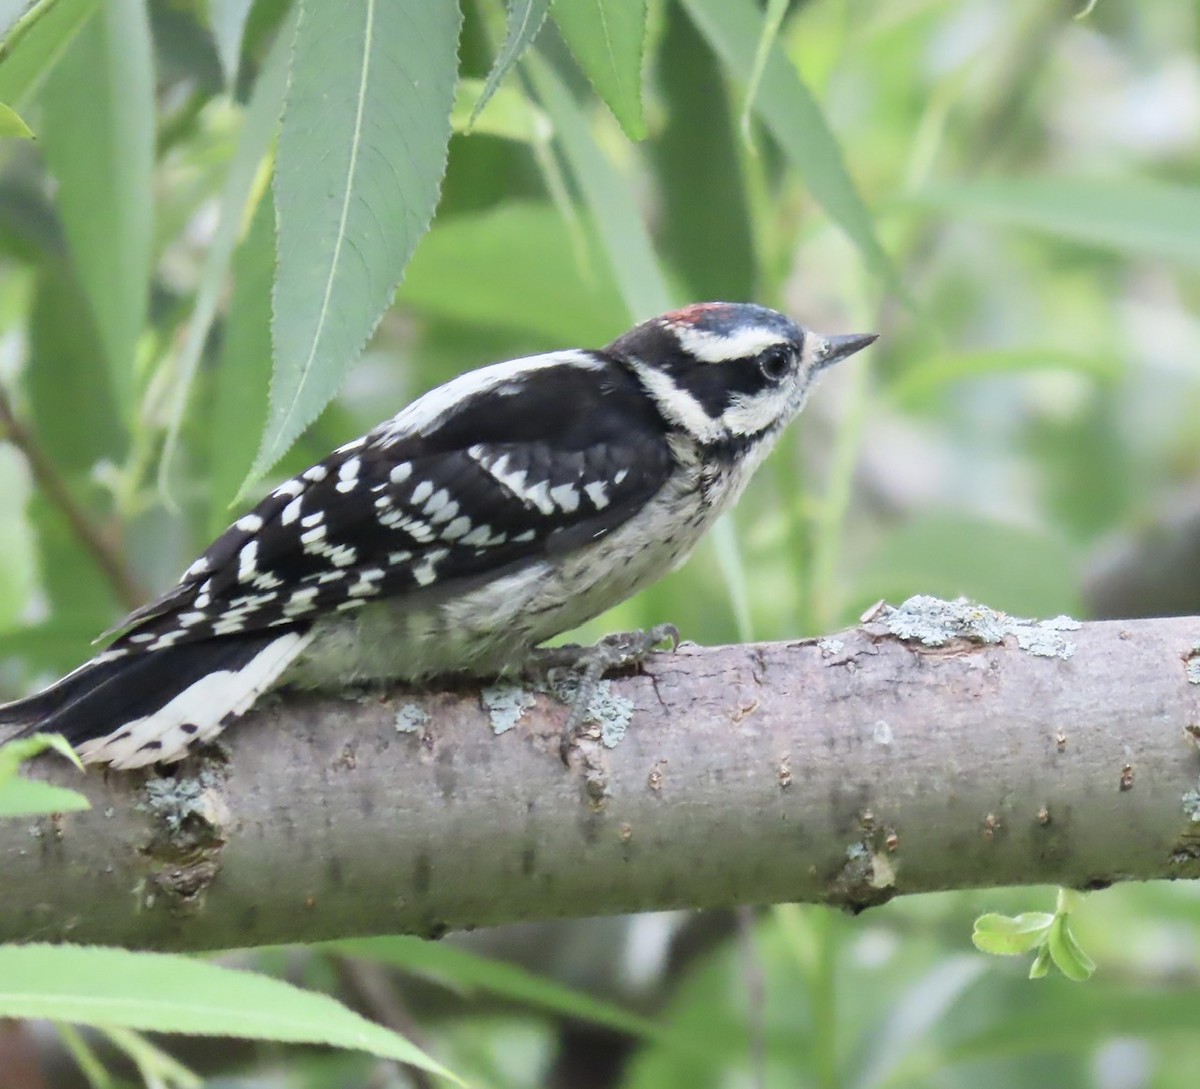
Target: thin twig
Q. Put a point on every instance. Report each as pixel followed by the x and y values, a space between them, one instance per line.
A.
pixel 373 988
pixel 755 983
pixel 50 481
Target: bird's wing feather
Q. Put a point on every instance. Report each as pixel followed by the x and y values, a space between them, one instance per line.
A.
pixel 452 489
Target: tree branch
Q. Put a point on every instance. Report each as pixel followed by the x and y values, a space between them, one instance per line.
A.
pixel 846 770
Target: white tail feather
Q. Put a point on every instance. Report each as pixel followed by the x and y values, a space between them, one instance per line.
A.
pixel 203 707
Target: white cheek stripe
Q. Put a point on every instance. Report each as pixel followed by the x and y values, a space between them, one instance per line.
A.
pixel 718 348
pixel 752 415
pixel 678 404
pixel 428 411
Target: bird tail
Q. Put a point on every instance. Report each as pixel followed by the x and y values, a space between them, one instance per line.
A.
pixel 132 707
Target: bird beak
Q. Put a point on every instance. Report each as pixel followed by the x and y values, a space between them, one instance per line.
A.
pixel 838 348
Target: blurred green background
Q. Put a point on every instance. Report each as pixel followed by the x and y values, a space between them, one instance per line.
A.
pixel 1008 192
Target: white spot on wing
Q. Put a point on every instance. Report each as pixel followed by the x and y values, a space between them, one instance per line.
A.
pixel 460 527
pixel 300 601
pixel 348 475
pixel 425 573
pixel 291 512
pixel 440 503
pixel 289 488
pixel 597 493
pixel 248 561
pixel 539 495
pixel 421 492
pixel 250 523
pixel 368 582
pixel 311 538
pixel 480 535
pixel 566 496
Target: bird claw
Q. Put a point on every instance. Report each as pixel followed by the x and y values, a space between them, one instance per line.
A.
pixel 586 666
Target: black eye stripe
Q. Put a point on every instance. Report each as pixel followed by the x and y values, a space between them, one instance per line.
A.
pixel 714 385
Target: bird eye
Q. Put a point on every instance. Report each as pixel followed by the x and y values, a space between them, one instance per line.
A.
pixel 775 363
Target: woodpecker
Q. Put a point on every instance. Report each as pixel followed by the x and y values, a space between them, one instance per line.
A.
pixel 507 506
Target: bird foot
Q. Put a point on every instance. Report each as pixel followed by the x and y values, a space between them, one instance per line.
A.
pixel 575 671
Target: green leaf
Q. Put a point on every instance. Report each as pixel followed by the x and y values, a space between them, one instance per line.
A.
pixel 714 255
pixel 1065 951
pixel 244 369
pixel 542 291
pixel 99 141
pixel 159 992
pixel 464 969
pixel 81 599
pixel 84 1057
pixel 154 1066
pixel 1041 964
pixel 18 571
pixel 525 19
pixel 65 381
pixel 36 44
pixel 30 798
pixel 227 24
pixel 1131 216
pixel 54 646
pixel 794 119
pixel 361 157
pixel 927 376
pixel 618 221
pixel 27 797
pixel 608 39
pixel 776 10
pixel 16 752
pixel 1068 900
pixel 509 114
pixel 258 131
pixel 1006 936
pixel 11 124
pixel 10 13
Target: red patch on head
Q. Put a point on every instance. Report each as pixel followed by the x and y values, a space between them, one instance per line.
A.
pixel 692 315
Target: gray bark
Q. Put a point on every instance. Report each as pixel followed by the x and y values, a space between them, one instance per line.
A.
pixel 846 771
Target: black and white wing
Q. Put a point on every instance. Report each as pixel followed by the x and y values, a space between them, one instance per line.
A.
pixel 507 464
